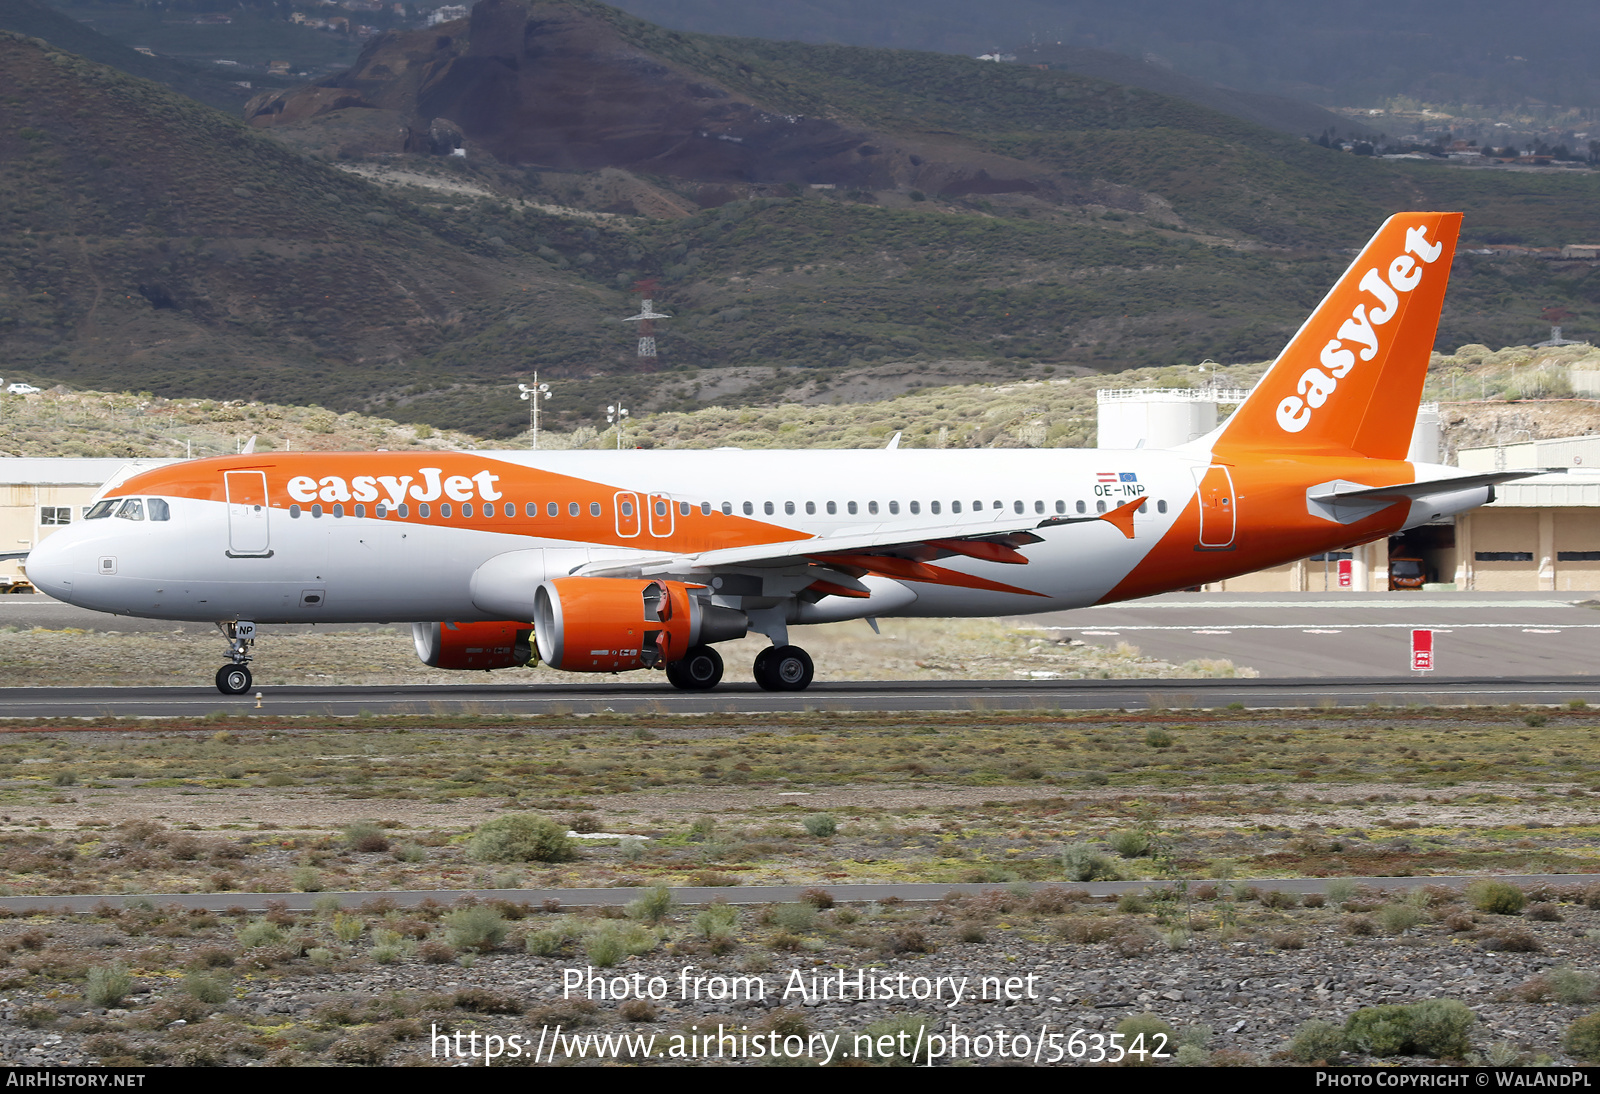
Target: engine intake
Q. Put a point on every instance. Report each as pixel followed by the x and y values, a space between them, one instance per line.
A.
pixel 610 624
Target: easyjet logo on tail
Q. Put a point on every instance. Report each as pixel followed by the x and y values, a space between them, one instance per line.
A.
pixel 1359 337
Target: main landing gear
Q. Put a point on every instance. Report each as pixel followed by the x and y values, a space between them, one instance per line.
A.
pixel 235 678
pixel 777 668
pixel 699 670
pixel 784 668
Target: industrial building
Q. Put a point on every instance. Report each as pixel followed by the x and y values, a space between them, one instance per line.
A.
pixel 1540 533
pixel 40 495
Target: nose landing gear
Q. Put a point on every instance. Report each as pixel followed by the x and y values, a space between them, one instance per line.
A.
pixel 235 678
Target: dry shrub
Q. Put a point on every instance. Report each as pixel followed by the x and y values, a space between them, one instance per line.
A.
pixel 1133 943
pixel 907 939
pixel 1359 925
pixel 1537 989
pixel 1086 930
pixel 1287 940
pixel 817 897
pixel 1277 898
pixel 786 940
pixel 212 957
pixel 436 953
pixel 564 1012
pixel 1511 940
pixel 483 1001
pixel 638 1010
pixel 1053 900
pixel 1458 922
pixel 1544 912
pixel 786 1023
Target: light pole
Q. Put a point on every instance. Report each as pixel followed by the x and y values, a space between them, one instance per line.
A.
pixel 615 413
pixel 531 394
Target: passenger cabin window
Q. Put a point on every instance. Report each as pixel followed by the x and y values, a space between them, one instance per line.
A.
pixel 488 509
pixel 851 506
pixel 1100 506
pixel 894 508
pixel 749 508
pixel 100 509
pixel 380 510
pixel 872 507
pixel 444 510
pixel 1038 507
pixel 572 508
pixel 594 509
pixel 338 510
pixel 404 511
pixel 1061 506
pixel 316 510
pixel 705 509
pixel 767 508
pixel 627 508
pixel 1082 508
pixel 423 510
pixel 1017 505
pixel 132 509
pixel 955 507
pixel 1161 506
pixel 361 511
pixel 727 508
pixel 788 508
pixel 294 512
pixel 811 508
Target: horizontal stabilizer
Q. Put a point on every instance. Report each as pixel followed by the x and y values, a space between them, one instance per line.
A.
pixel 1409 491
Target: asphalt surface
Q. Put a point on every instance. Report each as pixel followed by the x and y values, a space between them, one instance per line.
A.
pixel 1352 634
pixel 735 894
pixel 943 695
pixel 1311 649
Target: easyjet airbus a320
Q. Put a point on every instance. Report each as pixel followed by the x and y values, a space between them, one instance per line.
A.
pixel 609 561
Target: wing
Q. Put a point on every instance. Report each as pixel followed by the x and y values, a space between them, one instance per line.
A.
pixel 834 565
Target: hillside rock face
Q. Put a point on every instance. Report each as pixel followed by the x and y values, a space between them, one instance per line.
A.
pixel 548 85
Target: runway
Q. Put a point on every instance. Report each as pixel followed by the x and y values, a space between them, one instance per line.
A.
pixel 955 695
pixel 1351 634
pixel 1311 649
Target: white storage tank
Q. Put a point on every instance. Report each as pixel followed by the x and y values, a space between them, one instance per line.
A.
pixel 1159 417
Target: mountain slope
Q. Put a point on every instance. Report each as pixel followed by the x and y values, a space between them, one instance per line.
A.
pixel 39 20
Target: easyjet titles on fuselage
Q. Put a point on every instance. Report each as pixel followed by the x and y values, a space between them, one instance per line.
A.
pixel 428 484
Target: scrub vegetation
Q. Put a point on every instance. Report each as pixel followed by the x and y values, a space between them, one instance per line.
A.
pixel 1225 799
pixel 424 803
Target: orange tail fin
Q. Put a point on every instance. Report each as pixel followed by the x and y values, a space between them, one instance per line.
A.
pixel 1351 377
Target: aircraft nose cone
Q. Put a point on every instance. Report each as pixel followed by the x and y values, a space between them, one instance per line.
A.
pixel 49 567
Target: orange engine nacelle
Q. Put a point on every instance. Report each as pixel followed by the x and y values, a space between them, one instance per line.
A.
pixel 613 624
pixel 473 645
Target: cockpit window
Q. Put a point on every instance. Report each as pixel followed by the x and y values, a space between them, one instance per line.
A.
pixel 132 509
pixel 159 510
pixel 101 509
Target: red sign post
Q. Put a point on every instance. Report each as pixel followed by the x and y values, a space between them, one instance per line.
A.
pixel 1422 651
pixel 1346 573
